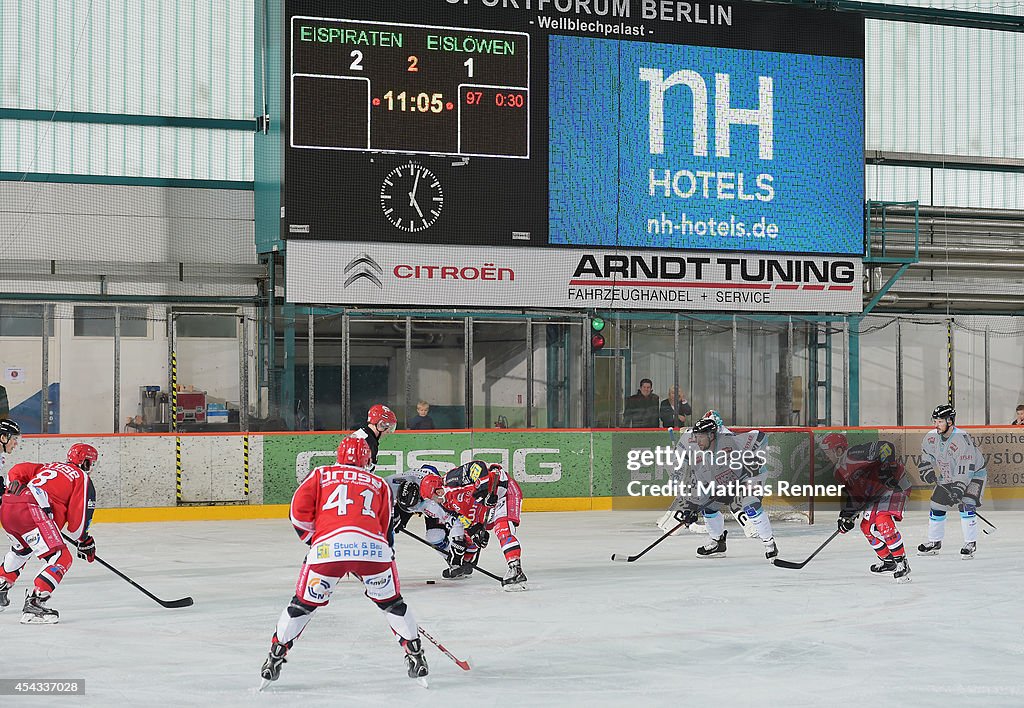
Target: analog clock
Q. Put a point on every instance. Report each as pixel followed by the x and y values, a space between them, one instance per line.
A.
pixel 411 197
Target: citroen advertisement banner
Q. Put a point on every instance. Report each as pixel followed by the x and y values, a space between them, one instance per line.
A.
pixel 322 273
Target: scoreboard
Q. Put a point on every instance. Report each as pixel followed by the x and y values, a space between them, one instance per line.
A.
pixel 604 123
pixel 415 89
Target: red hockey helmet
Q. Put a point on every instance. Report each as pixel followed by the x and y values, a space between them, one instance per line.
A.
pixel 835 442
pixel 355 452
pixel 83 456
pixel 382 417
pixel 429 485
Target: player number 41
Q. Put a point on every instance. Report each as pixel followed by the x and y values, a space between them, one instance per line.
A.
pixel 339 500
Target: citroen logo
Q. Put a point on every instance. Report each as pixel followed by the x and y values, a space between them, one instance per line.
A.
pixel 364 267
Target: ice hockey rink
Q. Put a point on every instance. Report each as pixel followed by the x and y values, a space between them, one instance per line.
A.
pixel 667 630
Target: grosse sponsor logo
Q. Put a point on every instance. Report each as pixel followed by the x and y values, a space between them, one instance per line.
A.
pixel 365 268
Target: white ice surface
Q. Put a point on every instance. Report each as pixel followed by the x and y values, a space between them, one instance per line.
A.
pixel 667 630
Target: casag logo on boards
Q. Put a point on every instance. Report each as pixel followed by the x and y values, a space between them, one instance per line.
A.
pixel 364 267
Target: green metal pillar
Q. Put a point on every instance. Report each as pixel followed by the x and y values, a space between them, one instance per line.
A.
pixel 854 382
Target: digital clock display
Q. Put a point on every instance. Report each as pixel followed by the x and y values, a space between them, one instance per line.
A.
pixel 626 123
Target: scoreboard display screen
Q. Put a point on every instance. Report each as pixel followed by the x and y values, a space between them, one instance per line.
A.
pixel 575 123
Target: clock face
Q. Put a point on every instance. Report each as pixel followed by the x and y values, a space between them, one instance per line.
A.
pixel 411 197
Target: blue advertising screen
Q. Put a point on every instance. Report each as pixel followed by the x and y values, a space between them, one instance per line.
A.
pixel 671 146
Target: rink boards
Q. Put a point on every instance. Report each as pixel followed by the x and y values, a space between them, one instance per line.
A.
pixel 159 477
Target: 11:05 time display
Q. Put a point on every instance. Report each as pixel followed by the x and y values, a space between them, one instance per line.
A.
pixel 414 102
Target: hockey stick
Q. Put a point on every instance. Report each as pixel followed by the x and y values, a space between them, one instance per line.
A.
pixel 630 559
pixel 425 542
pixel 183 602
pixel 464 665
pixel 986 521
pixel 790 564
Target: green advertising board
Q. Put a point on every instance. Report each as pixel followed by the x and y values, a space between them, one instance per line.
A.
pixel 546 464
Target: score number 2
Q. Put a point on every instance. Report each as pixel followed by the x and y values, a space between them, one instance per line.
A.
pixel 357 62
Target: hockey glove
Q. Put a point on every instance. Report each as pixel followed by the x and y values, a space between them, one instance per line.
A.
pixel 890 477
pixel 927 474
pixel 87 548
pixel 846 524
pixel 687 516
pixel 484 496
pixel 401 520
pixel 956 491
pixel 479 535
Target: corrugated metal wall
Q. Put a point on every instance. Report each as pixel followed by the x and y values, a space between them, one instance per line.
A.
pixel 184 58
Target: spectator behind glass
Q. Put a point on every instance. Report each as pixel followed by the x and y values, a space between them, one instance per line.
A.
pixel 422 421
pixel 1019 420
pixel 674 409
pixel 642 407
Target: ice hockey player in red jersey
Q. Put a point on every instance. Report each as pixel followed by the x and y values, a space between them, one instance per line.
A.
pixel 343 511
pixel 498 505
pixel 875 487
pixel 41 501
pixel 380 420
pixel 462 548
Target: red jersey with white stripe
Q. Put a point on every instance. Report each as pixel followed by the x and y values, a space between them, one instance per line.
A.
pixel 460 501
pixel 344 513
pixel 63 488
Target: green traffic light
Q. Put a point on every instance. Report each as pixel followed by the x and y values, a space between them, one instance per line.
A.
pixel 597 324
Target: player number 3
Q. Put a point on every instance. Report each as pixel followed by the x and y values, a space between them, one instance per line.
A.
pixel 339 500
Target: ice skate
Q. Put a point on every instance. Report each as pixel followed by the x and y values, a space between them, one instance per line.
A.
pixel 457 572
pixel 770 549
pixel 271 670
pixel 929 549
pixel 902 573
pixel 713 548
pixel 515 578
pixel 416 661
pixel 886 565
pixel 4 600
pixel 967 552
pixel 35 610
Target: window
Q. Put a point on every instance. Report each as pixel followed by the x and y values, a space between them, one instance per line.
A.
pixel 207 325
pixel 22 321
pixel 98 321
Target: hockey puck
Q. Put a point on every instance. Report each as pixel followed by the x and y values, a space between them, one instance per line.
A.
pixel 431 582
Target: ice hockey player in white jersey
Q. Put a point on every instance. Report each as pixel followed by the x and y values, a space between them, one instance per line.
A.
pixel 729 461
pixel 670 519
pixel 951 461
pixel 442 526
pixel 10 434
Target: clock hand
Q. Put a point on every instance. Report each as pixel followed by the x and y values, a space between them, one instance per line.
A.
pixel 414 203
pixel 415 184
